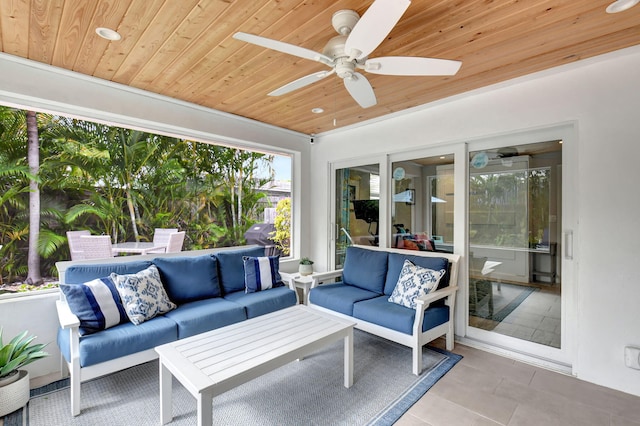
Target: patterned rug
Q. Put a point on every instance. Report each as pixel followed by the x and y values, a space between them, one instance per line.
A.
pixel 309 392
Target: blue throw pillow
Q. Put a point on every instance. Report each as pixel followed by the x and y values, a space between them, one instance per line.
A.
pixel 365 268
pixel 189 278
pixel 78 274
pixel 231 266
pixel 96 304
pixel 261 273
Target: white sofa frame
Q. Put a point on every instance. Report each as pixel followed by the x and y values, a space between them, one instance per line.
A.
pixel 417 339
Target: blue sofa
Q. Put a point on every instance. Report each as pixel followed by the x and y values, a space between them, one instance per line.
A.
pixel 366 281
pixel 207 287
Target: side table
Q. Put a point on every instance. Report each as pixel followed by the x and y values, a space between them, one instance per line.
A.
pixel 303 282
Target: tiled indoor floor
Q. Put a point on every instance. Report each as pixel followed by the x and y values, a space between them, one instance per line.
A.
pixel 536 319
pixel 487 389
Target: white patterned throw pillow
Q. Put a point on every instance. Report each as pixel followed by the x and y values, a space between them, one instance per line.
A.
pixel 142 294
pixel 414 281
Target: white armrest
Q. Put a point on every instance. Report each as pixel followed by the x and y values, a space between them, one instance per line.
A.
pixel 288 278
pixel 323 276
pixel 422 303
pixel 436 295
pixel 66 318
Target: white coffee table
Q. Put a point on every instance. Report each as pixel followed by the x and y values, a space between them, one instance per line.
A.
pixel 214 362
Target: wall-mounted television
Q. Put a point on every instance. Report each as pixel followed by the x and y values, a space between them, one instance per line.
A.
pixel 366 210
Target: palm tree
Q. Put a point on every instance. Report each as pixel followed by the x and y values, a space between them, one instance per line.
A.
pixel 33 157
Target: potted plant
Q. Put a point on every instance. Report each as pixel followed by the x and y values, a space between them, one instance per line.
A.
pixel 14 383
pixel 306 266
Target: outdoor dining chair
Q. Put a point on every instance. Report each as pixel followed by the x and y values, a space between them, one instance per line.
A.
pixel 73 238
pixel 96 246
pixel 176 240
pixel 174 243
pixel 161 235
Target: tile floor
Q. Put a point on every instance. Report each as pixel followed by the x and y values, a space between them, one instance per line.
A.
pixel 536 319
pixel 487 389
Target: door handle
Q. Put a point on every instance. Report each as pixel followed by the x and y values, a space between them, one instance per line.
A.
pixel 568 245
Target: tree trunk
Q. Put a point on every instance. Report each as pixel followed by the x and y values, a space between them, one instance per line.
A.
pixel 132 213
pixel 33 157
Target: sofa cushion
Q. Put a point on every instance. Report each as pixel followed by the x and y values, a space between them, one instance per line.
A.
pixel 263 302
pixel 96 303
pixel 261 273
pixel 396 262
pixel 366 269
pixel 78 274
pixel 414 281
pixel 339 297
pixel 204 315
pixel 231 267
pixel 121 340
pixel 189 278
pixel 396 317
pixel 142 294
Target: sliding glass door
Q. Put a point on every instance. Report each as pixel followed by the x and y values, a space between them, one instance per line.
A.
pixel 423 203
pixel 515 278
pixel 357 213
pixel 520 219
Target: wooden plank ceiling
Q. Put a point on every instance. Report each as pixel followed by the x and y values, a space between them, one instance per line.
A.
pixel 184 49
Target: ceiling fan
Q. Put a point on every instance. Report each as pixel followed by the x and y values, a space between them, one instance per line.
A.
pixel 350 50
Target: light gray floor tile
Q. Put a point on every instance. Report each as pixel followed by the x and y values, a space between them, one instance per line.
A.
pixel 438 411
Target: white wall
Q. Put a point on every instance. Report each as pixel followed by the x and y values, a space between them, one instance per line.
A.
pixel 37 314
pixel 603 96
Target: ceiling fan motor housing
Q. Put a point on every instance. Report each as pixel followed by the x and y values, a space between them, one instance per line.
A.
pixel 343 21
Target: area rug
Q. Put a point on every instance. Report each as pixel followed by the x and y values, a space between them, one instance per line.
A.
pixel 495 301
pixel 308 392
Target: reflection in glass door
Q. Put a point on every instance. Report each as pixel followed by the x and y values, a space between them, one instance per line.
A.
pixel 423 204
pixel 515 280
pixel 357 210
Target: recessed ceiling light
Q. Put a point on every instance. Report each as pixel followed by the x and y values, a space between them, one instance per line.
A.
pixel 317 110
pixel 621 5
pixel 108 34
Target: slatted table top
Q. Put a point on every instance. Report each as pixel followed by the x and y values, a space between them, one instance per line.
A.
pixel 222 359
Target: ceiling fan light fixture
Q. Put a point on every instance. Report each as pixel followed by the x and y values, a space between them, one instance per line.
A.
pixel 108 34
pixel 621 5
pixel 317 110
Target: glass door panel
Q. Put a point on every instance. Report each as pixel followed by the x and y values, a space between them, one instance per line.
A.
pixel 514 274
pixel 423 203
pixel 357 208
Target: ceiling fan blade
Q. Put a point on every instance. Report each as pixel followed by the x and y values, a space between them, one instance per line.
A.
pixel 360 90
pixel 406 65
pixel 280 46
pixel 374 26
pixel 301 82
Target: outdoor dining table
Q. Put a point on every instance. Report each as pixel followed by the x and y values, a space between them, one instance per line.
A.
pixel 134 247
